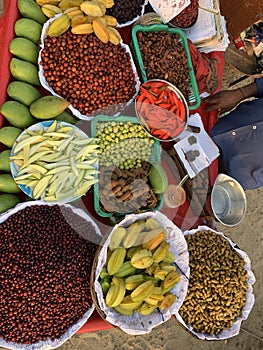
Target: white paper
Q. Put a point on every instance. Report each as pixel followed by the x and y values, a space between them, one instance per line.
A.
pixel 209 32
pixel 168 9
pixel 204 27
pixel 204 144
pixel 250 298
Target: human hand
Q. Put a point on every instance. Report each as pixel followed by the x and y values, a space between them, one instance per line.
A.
pixel 223 101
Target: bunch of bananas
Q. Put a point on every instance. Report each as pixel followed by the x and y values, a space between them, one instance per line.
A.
pixel 84 17
pixel 139 275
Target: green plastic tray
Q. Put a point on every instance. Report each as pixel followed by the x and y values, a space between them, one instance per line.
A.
pixel 193 99
pixel 156 156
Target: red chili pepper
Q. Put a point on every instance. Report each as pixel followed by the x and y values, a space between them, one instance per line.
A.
pixel 148 94
pixel 140 98
pixel 165 105
pixel 174 109
pixel 181 110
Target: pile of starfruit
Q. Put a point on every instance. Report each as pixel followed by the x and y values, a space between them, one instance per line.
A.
pixel 84 17
pixel 139 273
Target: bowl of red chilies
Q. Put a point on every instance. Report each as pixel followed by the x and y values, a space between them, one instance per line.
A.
pixel 161 109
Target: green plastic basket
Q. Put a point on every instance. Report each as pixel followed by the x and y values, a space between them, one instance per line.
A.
pixel 155 156
pixel 193 99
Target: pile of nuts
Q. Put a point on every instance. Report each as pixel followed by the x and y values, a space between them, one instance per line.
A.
pixel 125 191
pixel 45 265
pixel 164 58
pixel 218 284
pixel 88 73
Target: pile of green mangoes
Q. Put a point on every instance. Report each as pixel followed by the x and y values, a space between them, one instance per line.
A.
pixel 25 105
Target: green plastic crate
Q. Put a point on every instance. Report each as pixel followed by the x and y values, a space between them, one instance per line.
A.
pixel 156 156
pixel 193 99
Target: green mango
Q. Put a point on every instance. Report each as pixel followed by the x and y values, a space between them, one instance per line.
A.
pixel 29 29
pixel 24 49
pixel 158 178
pixel 17 114
pixel 23 92
pixel 8 184
pixel 24 71
pixel 67 117
pixel 5 161
pixel 48 107
pixel 8 201
pixel 30 9
pixel 8 135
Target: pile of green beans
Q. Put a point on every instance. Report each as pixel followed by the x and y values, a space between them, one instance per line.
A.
pixel 123 144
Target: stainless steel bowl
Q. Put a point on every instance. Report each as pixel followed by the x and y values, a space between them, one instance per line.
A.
pixel 228 200
pixel 180 96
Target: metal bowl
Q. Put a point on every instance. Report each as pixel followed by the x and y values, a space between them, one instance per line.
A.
pixel 180 96
pixel 228 200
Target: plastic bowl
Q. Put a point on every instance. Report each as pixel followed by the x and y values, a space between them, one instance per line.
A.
pixel 228 200
pixel 167 126
pixel 66 188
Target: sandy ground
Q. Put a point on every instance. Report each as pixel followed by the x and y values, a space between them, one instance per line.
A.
pixel 171 336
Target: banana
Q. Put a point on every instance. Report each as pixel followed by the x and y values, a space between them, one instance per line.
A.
pixel 59 26
pixel 116 292
pixel 142 259
pixel 133 282
pixel 50 10
pixel 116 260
pixel 169 299
pixel 143 291
pixel 161 252
pixel 117 237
